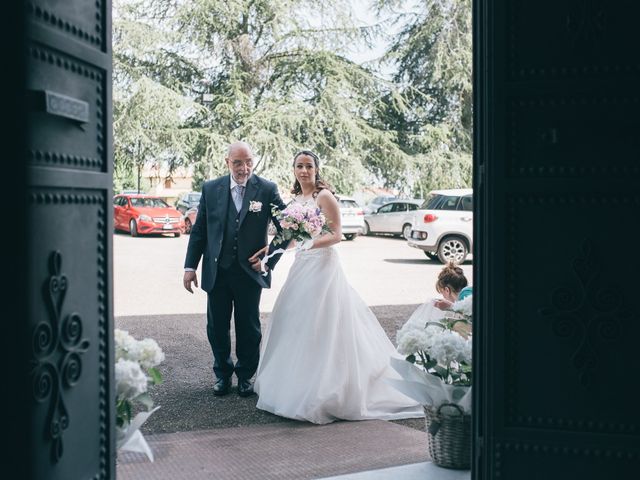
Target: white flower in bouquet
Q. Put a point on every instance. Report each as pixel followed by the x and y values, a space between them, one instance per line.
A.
pixel 134 372
pixel 150 354
pixel 448 347
pixel 464 306
pixel 125 343
pixel 437 369
pixel 300 222
pixel 131 381
pixel 413 338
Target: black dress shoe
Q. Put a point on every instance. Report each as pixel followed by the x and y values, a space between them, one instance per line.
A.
pixel 222 386
pixel 245 388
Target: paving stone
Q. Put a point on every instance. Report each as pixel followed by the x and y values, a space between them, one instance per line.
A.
pixel 294 450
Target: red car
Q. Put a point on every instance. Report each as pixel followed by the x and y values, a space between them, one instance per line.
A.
pixel 141 214
pixel 190 219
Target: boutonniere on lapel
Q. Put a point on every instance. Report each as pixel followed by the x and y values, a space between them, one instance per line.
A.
pixel 255 206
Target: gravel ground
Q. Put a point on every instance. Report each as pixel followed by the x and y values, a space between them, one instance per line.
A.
pixel 186 397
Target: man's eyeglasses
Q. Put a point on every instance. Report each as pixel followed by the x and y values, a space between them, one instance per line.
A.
pixel 239 163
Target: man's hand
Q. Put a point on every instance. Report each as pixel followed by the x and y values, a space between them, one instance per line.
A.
pixel 189 277
pixel 256 258
pixel 443 304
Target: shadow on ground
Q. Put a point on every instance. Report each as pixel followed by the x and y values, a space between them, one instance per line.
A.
pixel 186 397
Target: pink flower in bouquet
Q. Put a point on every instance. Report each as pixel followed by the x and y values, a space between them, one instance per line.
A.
pixel 300 222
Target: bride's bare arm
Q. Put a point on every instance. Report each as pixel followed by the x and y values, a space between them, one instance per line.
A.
pixel 329 206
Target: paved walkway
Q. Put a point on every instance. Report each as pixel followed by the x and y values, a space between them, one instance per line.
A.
pixel 342 450
pixel 414 471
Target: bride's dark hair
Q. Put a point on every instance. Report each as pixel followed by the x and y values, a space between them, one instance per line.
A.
pixel 321 184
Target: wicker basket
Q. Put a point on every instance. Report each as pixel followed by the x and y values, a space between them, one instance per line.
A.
pixel 449 436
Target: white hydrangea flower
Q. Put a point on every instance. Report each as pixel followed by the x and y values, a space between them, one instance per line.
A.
pixel 413 340
pixel 131 381
pixel 448 346
pixel 149 353
pixel 124 344
pixel 464 306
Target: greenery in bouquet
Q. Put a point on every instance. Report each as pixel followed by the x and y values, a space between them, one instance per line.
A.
pixel 458 317
pixel 300 222
pixel 135 372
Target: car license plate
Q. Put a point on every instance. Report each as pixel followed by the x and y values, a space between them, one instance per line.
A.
pixel 167 226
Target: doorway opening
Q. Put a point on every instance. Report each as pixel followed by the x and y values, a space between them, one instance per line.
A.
pixel 401 127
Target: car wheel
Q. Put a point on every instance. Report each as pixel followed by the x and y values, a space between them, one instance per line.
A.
pixel 133 228
pixel 406 231
pixel 187 226
pixel 366 230
pixel 349 236
pixel 452 249
pixel 432 255
pixel 176 235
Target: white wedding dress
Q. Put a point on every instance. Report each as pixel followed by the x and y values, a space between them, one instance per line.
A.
pixel 324 355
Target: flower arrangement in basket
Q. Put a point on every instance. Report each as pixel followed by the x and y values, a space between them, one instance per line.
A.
pixel 437 373
pixel 135 372
pixel 301 222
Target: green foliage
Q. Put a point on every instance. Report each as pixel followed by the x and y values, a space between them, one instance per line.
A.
pixel 432 58
pixel 276 74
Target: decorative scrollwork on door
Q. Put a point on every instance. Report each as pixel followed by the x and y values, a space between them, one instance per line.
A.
pixel 593 314
pixel 57 347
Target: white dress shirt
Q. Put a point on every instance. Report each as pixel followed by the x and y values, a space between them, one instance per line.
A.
pixel 232 185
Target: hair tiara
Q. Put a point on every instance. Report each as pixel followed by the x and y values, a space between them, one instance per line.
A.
pixel 309 153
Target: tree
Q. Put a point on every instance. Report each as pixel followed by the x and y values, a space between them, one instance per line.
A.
pixel 275 74
pixel 149 105
pixel 432 56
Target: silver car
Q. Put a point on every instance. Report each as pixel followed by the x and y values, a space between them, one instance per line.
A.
pixel 377 202
pixel 395 217
pixel 351 217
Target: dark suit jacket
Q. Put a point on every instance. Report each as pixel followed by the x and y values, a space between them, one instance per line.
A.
pixel 207 233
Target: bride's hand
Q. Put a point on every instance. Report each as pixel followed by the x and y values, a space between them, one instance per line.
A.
pixel 256 258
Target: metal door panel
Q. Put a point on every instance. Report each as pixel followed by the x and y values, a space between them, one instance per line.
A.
pixel 557 191
pixel 70 221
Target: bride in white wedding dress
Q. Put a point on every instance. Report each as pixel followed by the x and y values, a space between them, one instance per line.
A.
pixel 324 355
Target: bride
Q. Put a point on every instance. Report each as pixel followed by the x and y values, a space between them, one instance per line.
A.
pixel 325 356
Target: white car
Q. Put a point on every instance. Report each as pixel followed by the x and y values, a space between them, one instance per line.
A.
pixel 443 227
pixel 351 217
pixel 377 202
pixel 395 217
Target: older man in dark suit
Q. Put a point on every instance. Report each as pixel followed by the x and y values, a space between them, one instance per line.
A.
pixel 229 232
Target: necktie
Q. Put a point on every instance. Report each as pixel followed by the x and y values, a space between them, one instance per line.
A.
pixel 237 198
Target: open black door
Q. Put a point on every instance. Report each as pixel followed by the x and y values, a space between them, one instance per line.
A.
pixel 556 267
pixel 60 421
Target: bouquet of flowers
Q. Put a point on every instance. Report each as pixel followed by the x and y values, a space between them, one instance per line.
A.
pixel 300 222
pixel 135 371
pixel 437 369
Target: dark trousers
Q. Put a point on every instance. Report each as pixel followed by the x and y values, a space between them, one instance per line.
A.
pixel 234 291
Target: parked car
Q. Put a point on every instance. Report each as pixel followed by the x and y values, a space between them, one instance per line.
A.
pixel 190 218
pixel 395 217
pixel 187 201
pixel 443 226
pixel 351 217
pixel 141 214
pixel 377 202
